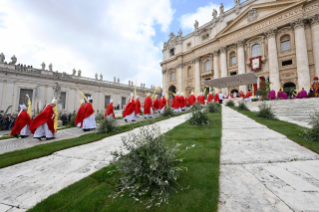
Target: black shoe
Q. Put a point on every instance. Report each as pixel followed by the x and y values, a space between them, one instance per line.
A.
pixel 24 136
pixel 16 135
pixel 50 138
pixel 125 120
pixel 38 139
pixel 133 120
pixel 145 117
pixel 86 130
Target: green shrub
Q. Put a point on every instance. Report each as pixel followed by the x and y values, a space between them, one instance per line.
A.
pixel 73 117
pixel 259 92
pixel 99 117
pixel 230 103
pixel 108 126
pixel 199 118
pixel 168 112
pixel 313 133
pixel 213 107
pixel 196 106
pixel 149 171
pixel 265 111
pixel 242 106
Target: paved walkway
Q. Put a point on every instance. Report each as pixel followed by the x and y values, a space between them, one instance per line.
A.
pixel 262 170
pixel 12 144
pixel 24 185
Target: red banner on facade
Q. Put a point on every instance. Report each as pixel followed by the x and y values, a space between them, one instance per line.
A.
pixel 255 63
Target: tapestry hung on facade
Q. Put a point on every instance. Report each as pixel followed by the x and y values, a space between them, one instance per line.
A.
pixel 255 63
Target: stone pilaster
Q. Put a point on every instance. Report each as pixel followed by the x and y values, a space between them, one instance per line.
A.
pixel 273 59
pixel 165 89
pixel 301 54
pixel 179 77
pixel 216 67
pixel 197 73
pixel 223 66
pixel 315 41
pixel 241 62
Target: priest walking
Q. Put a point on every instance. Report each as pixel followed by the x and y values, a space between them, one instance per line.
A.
pixel 129 111
pixel 80 115
pixel 137 107
pixel 22 123
pixel 148 110
pixel 89 119
pixel 109 112
pixel 162 103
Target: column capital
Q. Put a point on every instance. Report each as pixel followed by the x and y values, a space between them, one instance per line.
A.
pixel 181 65
pixel 216 52
pixel 222 49
pixel 314 20
pixel 195 60
pixel 240 43
pixel 271 33
pixel 298 23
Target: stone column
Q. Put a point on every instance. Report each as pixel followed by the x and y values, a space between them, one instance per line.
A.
pixel 223 66
pixel 197 73
pixel 315 41
pixel 301 54
pixel 216 67
pixel 179 77
pixel 273 59
pixel 241 62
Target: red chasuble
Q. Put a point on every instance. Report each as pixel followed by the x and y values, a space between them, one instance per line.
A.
pixel 22 120
pixel 79 116
pixel 241 94
pixel 230 96
pixel 175 103
pixel 109 110
pixel 162 102
pixel 185 101
pixel 44 117
pixel 202 99
pixel 191 100
pixel 156 104
pixel 130 108
pixel 88 110
pixel 147 105
pixel 209 97
pixel 248 94
pixel 137 107
pixel 216 98
pixel 181 101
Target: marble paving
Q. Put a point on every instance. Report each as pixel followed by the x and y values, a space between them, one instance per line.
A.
pixel 262 170
pixel 23 185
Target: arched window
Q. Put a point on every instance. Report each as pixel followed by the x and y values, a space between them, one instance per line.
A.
pixel 208 66
pixel 189 71
pixel 232 56
pixel 172 76
pixel 285 43
pixel 255 50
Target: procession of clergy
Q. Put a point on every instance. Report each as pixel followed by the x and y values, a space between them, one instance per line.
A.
pixel 45 124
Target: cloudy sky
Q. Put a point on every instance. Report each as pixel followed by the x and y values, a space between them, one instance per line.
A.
pixel 121 38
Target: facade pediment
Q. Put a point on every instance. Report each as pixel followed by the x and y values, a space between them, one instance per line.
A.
pixel 256 13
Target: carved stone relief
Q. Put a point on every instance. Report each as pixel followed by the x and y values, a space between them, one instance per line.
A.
pixel 252 15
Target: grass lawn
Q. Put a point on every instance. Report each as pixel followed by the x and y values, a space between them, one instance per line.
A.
pixel 11 158
pixel 92 193
pixel 292 131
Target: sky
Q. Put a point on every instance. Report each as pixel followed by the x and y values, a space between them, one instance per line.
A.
pixel 118 38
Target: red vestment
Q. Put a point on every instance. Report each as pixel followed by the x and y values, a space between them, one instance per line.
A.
pixel 209 97
pixel 79 116
pixel 109 110
pixel 46 116
pixel 130 107
pixel 248 94
pixel 22 120
pixel 88 110
pixel 191 100
pixel 185 101
pixel 156 104
pixel 216 98
pixel 137 107
pixel 201 99
pixel 230 96
pixel 181 101
pixel 241 94
pixel 162 102
pixel 147 105
pixel 175 103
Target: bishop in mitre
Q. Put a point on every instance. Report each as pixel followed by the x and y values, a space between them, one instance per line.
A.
pixel 22 123
pixel 89 119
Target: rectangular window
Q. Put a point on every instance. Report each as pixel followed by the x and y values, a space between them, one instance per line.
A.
pixel 172 76
pixel 233 60
pixel 286 63
pixel 233 73
pixel 62 99
pixel 123 102
pixel 285 45
pixel 172 52
pixel 23 99
pixel 205 37
pixel 107 100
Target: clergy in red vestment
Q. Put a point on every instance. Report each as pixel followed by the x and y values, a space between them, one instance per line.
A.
pixel 89 119
pixel 185 101
pixel 176 104
pixel 191 100
pixel 80 115
pixel 230 96
pixel 209 97
pixel 241 94
pixel 22 124
pixel 162 103
pixel 247 98
pixel 148 109
pixel 216 98
pixel 156 104
pixel 42 126
pixel 201 99
pixel 182 102
pixel 129 111
pixel 137 107
pixel 109 112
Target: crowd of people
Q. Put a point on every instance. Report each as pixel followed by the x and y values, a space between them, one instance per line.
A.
pixel 7 121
